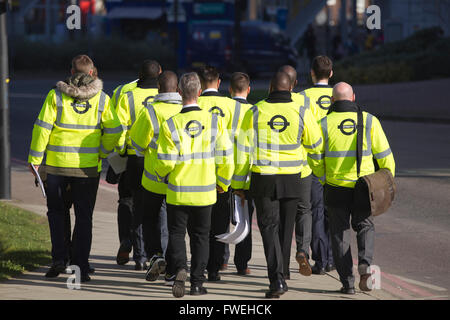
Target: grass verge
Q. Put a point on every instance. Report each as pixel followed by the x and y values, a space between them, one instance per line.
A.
pixel 24 241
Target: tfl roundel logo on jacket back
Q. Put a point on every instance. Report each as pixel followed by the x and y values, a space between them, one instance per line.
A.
pixel 324 102
pixel 347 127
pixel 81 108
pixel 278 123
pixel 193 128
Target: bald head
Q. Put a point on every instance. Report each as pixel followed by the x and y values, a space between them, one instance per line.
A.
pixel 167 82
pixel 291 72
pixel 280 82
pixel 343 91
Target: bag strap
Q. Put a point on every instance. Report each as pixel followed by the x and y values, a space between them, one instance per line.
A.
pixel 359 140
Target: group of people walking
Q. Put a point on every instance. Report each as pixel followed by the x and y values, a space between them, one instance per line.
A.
pixel 189 151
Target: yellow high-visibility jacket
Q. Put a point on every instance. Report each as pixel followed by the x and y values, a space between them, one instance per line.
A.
pixel 320 98
pixel 271 137
pixel 227 109
pixel 70 132
pixel 240 112
pixel 337 165
pixel 120 90
pixel 128 108
pixel 144 136
pixel 303 100
pixel 194 155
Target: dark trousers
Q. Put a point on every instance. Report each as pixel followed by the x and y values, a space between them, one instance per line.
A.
pixel 321 240
pixel 83 193
pixel 124 210
pixel 276 220
pixel 339 203
pixel 135 168
pixel 303 217
pixel 197 221
pixel 243 250
pixel 220 223
pixel 154 223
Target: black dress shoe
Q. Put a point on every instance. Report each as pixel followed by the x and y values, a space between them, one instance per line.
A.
pixel 285 286
pixel 178 287
pixel 317 270
pixel 123 255
pixel 198 290
pixel 330 267
pixel 346 290
pixel 213 277
pixel 276 289
pixel 55 270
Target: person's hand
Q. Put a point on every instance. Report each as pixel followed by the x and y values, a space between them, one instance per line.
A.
pixel 31 169
pixel 240 194
pixel 219 189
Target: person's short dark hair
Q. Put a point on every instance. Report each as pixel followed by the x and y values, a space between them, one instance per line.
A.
pixel 82 63
pixel 239 82
pixel 150 69
pixel 208 74
pixel 281 81
pixel 322 67
pixel 168 82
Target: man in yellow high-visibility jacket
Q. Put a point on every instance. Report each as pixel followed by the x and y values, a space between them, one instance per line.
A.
pixel 239 91
pixel 195 157
pixel 128 235
pixel 337 168
pixel 75 127
pixel 144 135
pixel 320 98
pixel 303 218
pixel 228 111
pixel 129 107
pixel 269 143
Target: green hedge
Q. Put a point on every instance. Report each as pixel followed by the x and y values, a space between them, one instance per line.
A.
pixel 422 56
pixel 108 54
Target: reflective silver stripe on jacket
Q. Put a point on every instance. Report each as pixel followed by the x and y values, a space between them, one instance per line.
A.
pixel 307 101
pixel 34 153
pixel 72 149
pixel 174 134
pixel 113 130
pixel 131 106
pixel 150 176
pixel 117 95
pixel 44 124
pixel 155 123
pixel 211 187
pixel 234 124
pixel 383 154
pixel 281 164
pixel 137 147
pixel 314 145
pixel 223 180
pixel 239 178
pixel 347 153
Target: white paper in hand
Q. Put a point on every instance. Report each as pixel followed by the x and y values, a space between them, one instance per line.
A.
pixel 38 178
pixel 117 163
pixel 242 227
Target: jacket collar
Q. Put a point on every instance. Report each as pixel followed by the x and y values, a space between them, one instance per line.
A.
pixel 147 84
pixel 211 94
pixel 168 97
pixel 343 106
pixel 241 100
pixel 279 97
pixel 190 108
pixel 81 93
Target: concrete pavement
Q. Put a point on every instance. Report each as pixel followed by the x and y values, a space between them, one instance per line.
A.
pixel 111 281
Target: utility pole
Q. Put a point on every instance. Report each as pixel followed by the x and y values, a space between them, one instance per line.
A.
pixel 5 157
